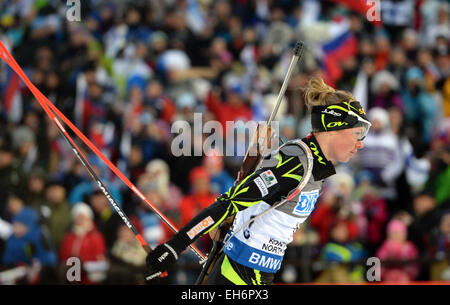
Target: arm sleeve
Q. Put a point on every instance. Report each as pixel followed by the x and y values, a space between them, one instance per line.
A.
pixel 268 183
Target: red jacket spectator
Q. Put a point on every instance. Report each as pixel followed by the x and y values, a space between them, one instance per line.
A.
pixel 324 216
pixel 377 214
pixel 84 241
pixel 234 109
pixel 192 204
pixel 201 195
pixel 87 247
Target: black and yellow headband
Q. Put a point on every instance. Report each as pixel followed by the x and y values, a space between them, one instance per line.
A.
pixel 339 116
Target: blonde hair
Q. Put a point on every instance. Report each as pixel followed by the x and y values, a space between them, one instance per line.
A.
pixel 318 93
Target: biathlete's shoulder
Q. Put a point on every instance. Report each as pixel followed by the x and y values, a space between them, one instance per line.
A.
pixel 292 148
pixel 296 148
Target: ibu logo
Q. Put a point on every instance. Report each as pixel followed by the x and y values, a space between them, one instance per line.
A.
pixel 306 203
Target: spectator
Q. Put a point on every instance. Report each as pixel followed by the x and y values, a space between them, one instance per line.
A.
pixel 186 105
pixel 341 257
pixel 15 204
pixel 221 180
pixel 398 64
pixel 299 257
pixel 201 194
pixel 420 107
pixel 85 188
pixel 24 144
pixel 446 98
pixel 12 176
pixel 159 105
pixel 94 107
pixel 183 158
pixel 335 204
pixel 154 230
pixel 383 49
pixel 414 171
pixel 127 255
pixel 438 26
pixel 233 109
pixel 381 155
pixel 409 43
pixel 440 250
pixel 438 181
pixel 153 141
pixel 106 219
pixel 135 162
pixel 431 72
pixel 349 68
pixel 384 90
pixel 26 244
pixel 158 171
pixel 56 211
pixel 279 34
pixel 374 208
pixel 85 242
pixel 423 228
pixel 200 197
pixel 35 196
pixel 397 255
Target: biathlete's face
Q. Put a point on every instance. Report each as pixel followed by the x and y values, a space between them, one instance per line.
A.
pixel 347 142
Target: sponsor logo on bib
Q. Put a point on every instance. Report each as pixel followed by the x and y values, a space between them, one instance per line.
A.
pixel 306 203
pixel 268 178
pixel 262 187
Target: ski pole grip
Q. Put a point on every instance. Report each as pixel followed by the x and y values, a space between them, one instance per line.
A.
pixel 298 48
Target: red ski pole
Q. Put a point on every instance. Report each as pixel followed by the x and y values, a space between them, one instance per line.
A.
pixel 45 103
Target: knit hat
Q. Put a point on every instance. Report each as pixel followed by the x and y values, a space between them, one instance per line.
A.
pixel 27 216
pixel 379 114
pixel 414 73
pixel 82 208
pixel 382 77
pixel 186 100
pixel 396 225
pixel 21 135
pixel 198 173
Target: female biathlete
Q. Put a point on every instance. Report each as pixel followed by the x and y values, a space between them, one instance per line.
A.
pixel 277 197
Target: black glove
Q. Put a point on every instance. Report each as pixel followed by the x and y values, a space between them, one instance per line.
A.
pixel 160 259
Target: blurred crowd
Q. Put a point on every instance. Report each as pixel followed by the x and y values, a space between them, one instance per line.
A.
pixel 129 72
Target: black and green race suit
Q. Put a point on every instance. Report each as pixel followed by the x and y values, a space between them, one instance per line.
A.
pixel 255 253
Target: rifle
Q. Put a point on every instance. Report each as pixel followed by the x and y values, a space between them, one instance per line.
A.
pixel 260 144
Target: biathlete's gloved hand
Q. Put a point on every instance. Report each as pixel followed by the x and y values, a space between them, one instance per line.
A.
pixel 162 257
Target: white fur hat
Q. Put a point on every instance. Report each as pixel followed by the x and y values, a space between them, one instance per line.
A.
pixel 379 114
pixel 384 77
pixel 82 208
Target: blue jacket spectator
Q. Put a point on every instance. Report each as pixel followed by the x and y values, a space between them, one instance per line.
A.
pixel 26 243
pixel 420 107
